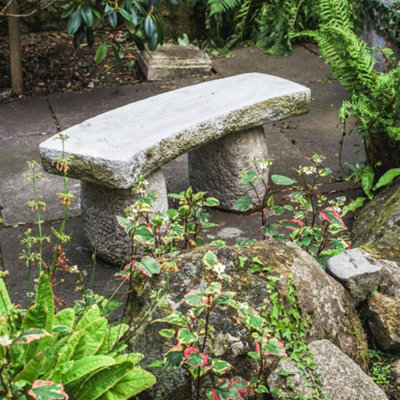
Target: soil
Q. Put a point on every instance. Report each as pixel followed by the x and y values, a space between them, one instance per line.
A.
pixel 51 63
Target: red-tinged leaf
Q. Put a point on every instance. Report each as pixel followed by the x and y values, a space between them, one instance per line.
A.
pixel 292 224
pixel 30 335
pixel 47 390
pixel 189 351
pixel 196 359
pixel 194 298
pixel 148 266
pixel 275 347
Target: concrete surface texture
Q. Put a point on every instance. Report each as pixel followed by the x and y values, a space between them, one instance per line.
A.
pixel 26 122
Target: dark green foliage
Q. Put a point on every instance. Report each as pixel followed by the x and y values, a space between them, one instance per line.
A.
pixel 375 100
pixel 265 23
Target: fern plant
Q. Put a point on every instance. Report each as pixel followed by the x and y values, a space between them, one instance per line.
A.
pixel 375 96
pixel 265 23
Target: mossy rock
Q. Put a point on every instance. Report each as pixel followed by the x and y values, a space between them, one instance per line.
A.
pixel 378 224
pixel 319 296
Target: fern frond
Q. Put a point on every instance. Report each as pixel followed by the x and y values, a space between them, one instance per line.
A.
pixel 335 12
pixel 222 6
pixel 349 58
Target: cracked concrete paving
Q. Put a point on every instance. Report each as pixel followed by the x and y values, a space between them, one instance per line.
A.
pixel 25 123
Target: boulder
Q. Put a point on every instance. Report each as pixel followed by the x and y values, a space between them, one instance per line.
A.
pixel 389 283
pixel 355 272
pixel 342 378
pixel 316 293
pixel 384 320
pixel 378 223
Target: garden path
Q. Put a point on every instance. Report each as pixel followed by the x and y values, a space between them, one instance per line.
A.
pixel 26 122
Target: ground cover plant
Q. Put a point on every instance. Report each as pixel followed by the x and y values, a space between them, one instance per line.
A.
pixel 315 222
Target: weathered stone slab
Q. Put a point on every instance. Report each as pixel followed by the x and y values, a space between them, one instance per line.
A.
pixel 357 274
pixel 113 147
pixel 342 378
pixel 171 61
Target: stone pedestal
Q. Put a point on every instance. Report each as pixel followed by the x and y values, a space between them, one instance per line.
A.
pixel 172 61
pixel 100 207
pixel 217 167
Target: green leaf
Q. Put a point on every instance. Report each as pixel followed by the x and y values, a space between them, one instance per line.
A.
pixel 387 177
pixel 112 18
pixel 44 296
pixel 186 337
pixel 220 366
pixel 177 318
pixel 133 357
pixel 87 14
pixel 174 358
pixel 149 27
pixel 248 178
pixel 243 204
pixel 282 180
pixel 367 179
pixel 148 266
pixel 85 367
pixel 111 337
pixel 5 301
pixel 65 317
pixel 37 366
pixel 358 202
pixel 125 14
pixel 211 202
pixel 101 53
pixel 210 259
pixel 168 333
pixel 130 385
pixel 68 11
pixel 74 21
pixel 103 381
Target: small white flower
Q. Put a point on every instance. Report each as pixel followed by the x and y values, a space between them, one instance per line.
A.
pixel 309 170
pixel 5 341
pixel 73 268
pixel 219 268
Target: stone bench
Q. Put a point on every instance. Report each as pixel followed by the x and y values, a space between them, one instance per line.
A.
pixel 219 122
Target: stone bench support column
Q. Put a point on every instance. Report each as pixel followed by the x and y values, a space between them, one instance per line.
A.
pixel 217 167
pixel 100 207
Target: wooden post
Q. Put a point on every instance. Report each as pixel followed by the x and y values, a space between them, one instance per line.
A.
pixel 14 37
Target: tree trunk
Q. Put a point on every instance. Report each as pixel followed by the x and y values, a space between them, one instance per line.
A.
pixel 14 37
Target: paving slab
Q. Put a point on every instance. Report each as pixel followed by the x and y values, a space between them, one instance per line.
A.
pixel 16 191
pixel 26 117
pixel 301 66
pixel 77 252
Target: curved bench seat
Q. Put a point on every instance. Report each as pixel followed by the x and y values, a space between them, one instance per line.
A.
pixel 219 122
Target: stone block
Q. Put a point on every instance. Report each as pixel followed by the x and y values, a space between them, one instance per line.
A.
pixel 172 61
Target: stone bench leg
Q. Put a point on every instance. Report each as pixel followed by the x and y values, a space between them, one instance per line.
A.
pixel 100 207
pixel 217 167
